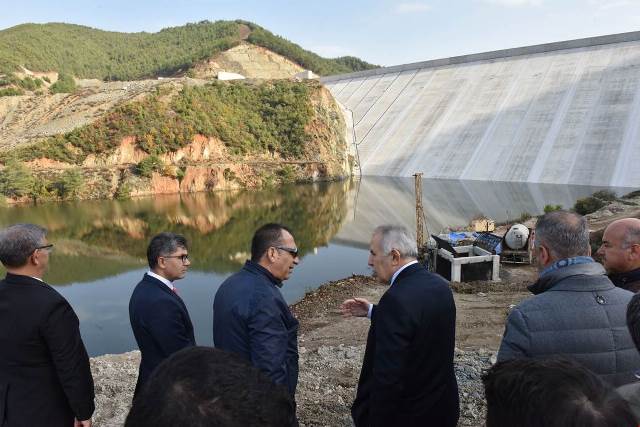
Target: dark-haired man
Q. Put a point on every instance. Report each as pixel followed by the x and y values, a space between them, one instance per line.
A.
pixel 45 379
pixel 250 316
pixel 203 386
pixel 576 311
pixel 159 318
pixel 553 392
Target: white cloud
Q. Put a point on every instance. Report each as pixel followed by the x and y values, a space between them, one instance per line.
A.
pixel 413 7
pixel 514 3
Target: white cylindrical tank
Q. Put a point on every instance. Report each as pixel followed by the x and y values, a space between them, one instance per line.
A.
pixel 516 237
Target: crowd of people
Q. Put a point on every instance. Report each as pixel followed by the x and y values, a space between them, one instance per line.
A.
pixel 570 355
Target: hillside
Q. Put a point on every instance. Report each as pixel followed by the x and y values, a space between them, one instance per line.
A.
pixel 167 136
pixel 91 53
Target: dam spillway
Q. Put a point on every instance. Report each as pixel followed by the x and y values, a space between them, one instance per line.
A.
pixel 559 113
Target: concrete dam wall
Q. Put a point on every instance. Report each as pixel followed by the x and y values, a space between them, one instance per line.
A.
pixel 561 113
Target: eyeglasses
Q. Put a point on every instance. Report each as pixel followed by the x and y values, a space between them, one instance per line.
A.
pixel 47 248
pixel 184 258
pixel 292 251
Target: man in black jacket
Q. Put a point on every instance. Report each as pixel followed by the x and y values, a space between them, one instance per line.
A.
pixel 159 318
pixel 250 316
pixel 407 376
pixel 45 379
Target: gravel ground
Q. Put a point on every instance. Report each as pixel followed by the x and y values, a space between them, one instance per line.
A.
pixel 328 377
pixel 331 351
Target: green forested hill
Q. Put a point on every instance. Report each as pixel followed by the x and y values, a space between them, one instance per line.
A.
pixel 90 53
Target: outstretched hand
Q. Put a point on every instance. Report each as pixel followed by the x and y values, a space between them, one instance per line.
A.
pixel 355 307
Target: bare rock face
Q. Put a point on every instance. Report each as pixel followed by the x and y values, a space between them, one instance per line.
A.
pixel 250 61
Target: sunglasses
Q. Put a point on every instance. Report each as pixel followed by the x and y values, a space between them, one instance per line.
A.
pixel 292 251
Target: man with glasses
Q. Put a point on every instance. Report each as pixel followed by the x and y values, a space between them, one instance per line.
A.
pixel 250 316
pixel 45 379
pixel 620 252
pixel 159 318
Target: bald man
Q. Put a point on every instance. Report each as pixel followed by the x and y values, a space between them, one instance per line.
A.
pixel 620 252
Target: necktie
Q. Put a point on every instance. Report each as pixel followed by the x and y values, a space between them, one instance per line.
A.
pixel 175 290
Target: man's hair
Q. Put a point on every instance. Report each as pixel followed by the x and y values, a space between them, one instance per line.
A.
pixel 565 234
pixel 633 319
pixel 631 235
pixel 554 392
pixel 203 386
pixel 18 242
pixel 265 237
pixel 397 237
pixel 164 244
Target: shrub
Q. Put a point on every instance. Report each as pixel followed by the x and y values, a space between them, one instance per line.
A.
pixel 69 183
pixel 16 180
pixel 65 84
pixel 588 205
pixel 11 91
pixel 605 195
pixel 148 165
pixel 46 79
pixel 287 173
pixel 30 84
pixel 551 208
pixel 123 192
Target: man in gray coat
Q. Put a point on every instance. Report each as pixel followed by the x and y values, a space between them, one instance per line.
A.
pixel 576 311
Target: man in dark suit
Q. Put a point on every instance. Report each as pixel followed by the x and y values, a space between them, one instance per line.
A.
pixel 159 318
pixel 250 316
pixel 45 379
pixel 407 376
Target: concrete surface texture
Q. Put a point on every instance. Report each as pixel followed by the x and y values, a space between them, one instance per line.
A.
pixel 562 113
pixel 447 203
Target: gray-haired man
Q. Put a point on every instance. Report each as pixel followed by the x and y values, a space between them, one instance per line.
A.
pixel 407 376
pixel 45 378
pixel 576 310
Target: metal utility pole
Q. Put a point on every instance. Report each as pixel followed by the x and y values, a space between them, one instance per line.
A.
pixel 420 226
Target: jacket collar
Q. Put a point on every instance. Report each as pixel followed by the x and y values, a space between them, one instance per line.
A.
pixel 407 271
pixel 256 268
pixel 19 279
pixel 623 280
pixel 156 282
pixel 553 278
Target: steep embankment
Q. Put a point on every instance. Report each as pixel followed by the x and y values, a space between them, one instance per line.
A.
pixel 184 136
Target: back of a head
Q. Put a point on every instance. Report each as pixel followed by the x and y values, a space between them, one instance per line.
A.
pixel 565 234
pixel 265 237
pixel 203 386
pixel 552 392
pixel 397 237
pixel 18 242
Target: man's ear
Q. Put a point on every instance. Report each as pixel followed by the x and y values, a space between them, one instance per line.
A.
pixel 544 255
pixel 395 256
pixel 634 252
pixel 161 264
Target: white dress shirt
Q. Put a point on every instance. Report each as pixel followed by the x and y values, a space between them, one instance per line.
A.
pixel 162 279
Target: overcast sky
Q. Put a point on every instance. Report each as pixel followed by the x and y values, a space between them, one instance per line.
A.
pixel 381 32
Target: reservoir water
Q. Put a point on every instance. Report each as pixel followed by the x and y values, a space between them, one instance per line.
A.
pixel 100 246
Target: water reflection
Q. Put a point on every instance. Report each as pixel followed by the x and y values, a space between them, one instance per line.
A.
pixel 101 245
